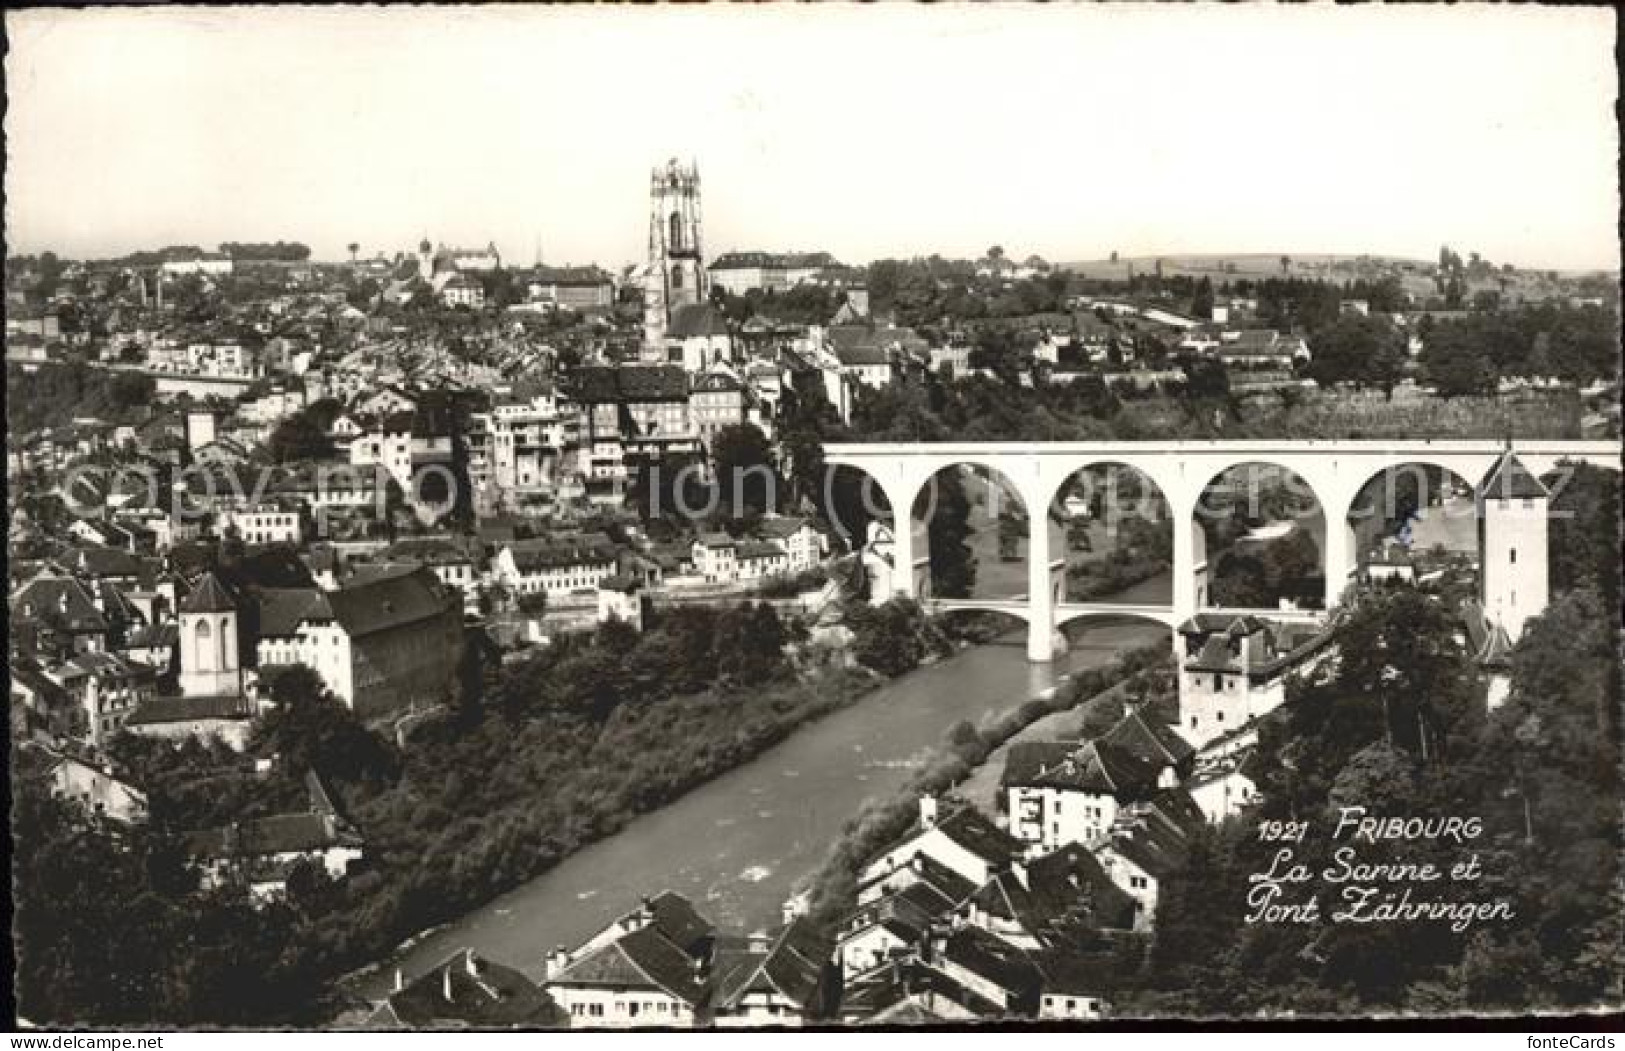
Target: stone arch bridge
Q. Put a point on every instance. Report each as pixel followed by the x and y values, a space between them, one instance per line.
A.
pixel 1335 470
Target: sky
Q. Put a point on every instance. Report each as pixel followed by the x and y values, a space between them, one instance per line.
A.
pixel 874 131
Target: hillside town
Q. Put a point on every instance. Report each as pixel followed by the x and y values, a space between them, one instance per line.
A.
pixel 260 476
pixel 541 519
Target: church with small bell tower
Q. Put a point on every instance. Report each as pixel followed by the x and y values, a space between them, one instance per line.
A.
pixel 674 276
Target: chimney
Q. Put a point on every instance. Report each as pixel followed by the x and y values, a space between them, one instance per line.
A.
pixel 470 963
pixel 759 941
pixel 557 961
pixel 928 811
pixel 445 982
pixel 400 980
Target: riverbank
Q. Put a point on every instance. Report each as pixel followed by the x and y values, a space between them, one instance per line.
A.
pixel 964 751
pixel 739 845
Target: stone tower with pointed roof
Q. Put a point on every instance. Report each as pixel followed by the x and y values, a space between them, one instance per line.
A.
pixel 1512 507
pixel 675 274
pixel 208 634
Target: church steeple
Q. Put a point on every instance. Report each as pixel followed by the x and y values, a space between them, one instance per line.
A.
pixel 675 274
pixel 208 627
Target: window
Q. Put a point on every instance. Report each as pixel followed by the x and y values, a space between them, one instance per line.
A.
pixel 1193 722
pixel 1512 556
pixel 1218 681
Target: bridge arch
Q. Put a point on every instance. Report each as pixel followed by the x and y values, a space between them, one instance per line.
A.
pixel 1423 504
pixel 1264 529
pixel 1107 509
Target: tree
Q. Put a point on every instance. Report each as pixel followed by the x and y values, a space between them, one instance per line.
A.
pixel 1202 302
pixel 354 248
pixel 1584 519
pixel 743 461
pixel 1286 264
pixel 299 437
pixel 1455 364
pixel 310 729
pixel 1364 351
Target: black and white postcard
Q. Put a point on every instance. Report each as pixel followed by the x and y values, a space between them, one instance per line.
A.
pixel 796 516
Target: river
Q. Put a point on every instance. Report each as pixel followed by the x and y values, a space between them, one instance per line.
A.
pixel 736 846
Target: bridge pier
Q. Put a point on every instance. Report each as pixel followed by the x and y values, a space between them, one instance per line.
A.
pixel 1040 590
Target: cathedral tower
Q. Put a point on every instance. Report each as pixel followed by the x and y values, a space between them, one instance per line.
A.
pixel 675 275
pixel 1512 506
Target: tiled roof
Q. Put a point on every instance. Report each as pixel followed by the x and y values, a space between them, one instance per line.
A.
pixel 191 709
pixel 968 827
pixel 1149 739
pixel 380 605
pixel 773 261
pixel 642 959
pixel 697 319
pixel 60 602
pixel 209 595
pixel 792 967
pixel 1509 479
pixel 278 834
pixel 1098 767
pixel 533 555
pixel 597 384
pixel 483 995
pixel 282 610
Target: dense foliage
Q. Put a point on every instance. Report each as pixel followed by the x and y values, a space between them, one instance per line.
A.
pixel 54 394
pixel 112 929
pixel 1398 724
pixel 1473 353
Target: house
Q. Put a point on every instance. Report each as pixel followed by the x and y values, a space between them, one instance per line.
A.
pixel 1225 784
pixel 460 291
pixel 1138 857
pixel 1261 348
pixel 57 615
pixel 555 566
pixel 467 991
pixel 698 338
pixel 906 992
pixel 619 599
pixel 717 399
pixel 454 564
pixel 97 789
pixel 715 557
pixel 883 929
pixel 757 560
pixel 40 707
pixel 964 842
pixel 804 546
pixel 1233 669
pixel 740 272
pixel 379 644
pixel 229 720
pixel 271 522
pixel 1058 793
pixel 1390 560
pixel 1046 901
pixel 572 287
pixel 107 688
pixel 775 979
pixel 647 968
pixel 992 970
pixel 263 852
